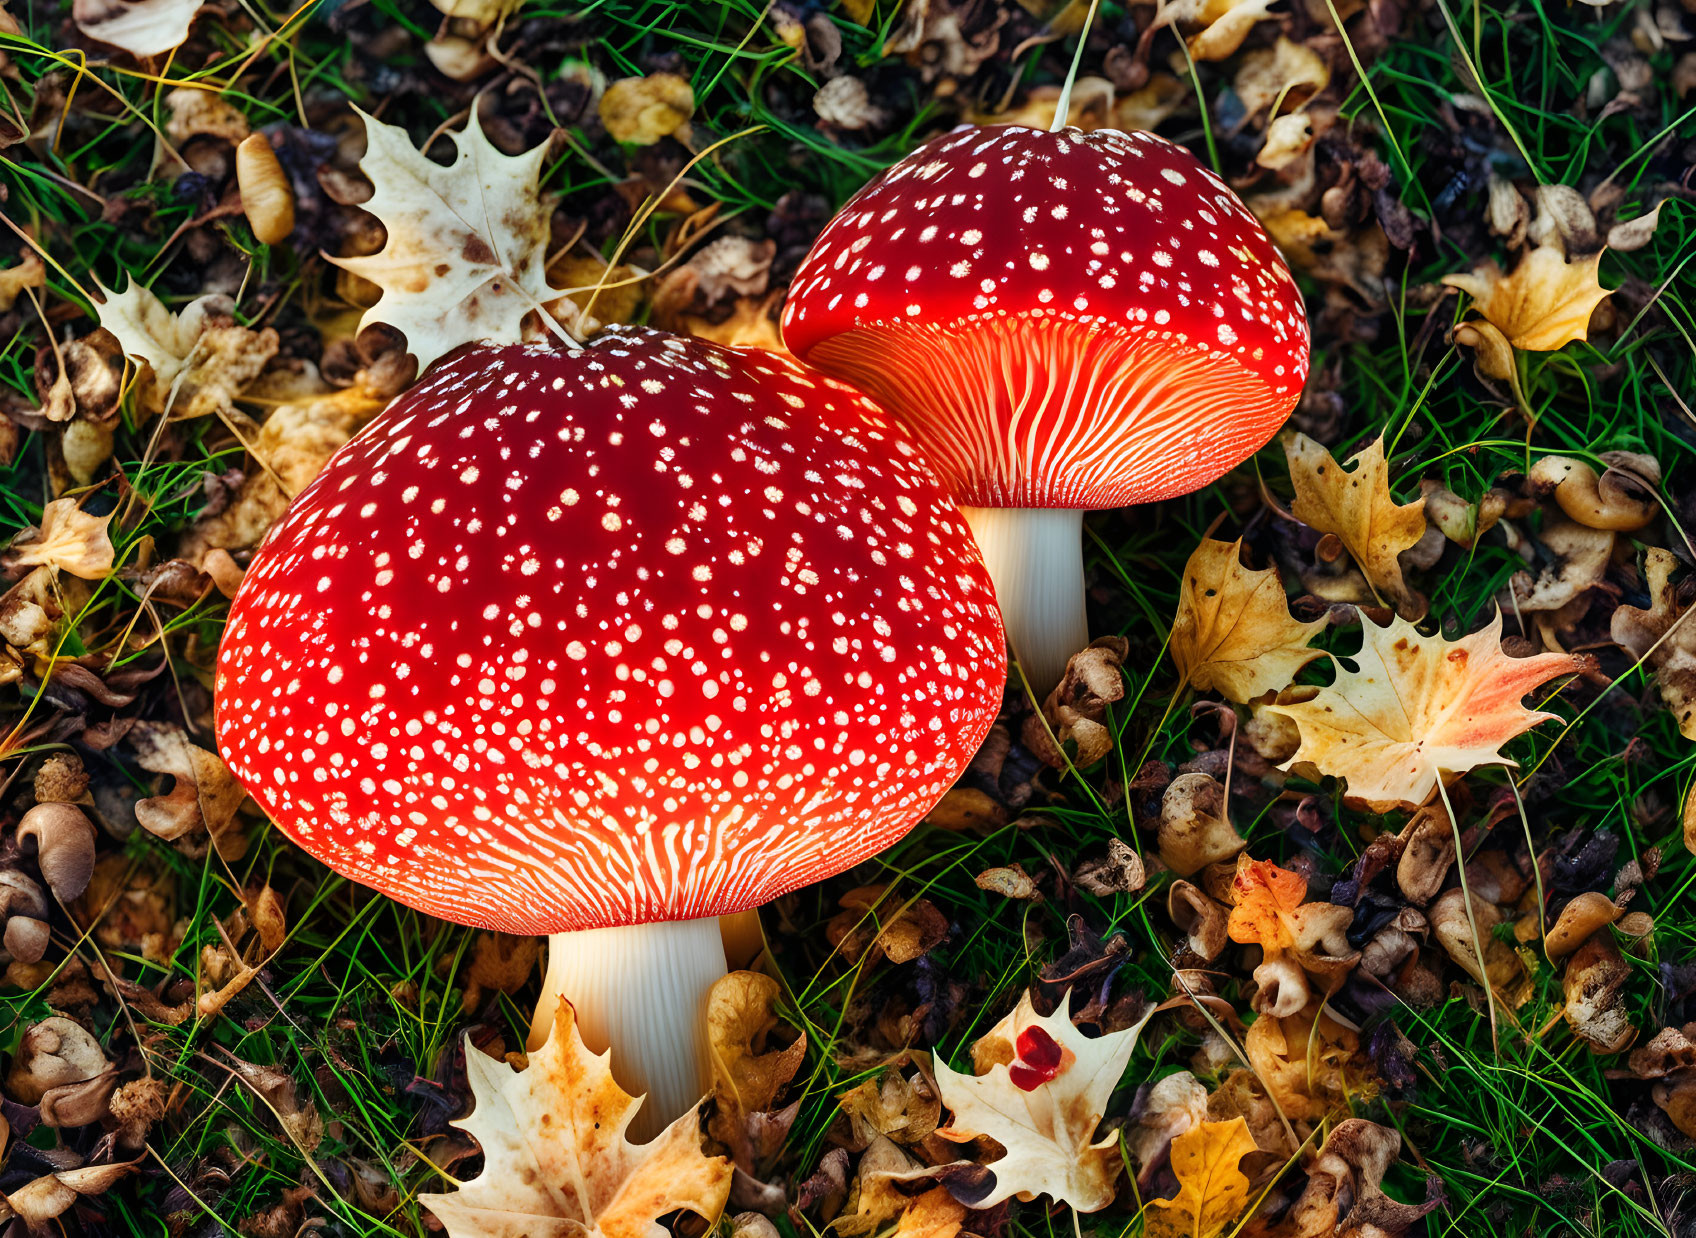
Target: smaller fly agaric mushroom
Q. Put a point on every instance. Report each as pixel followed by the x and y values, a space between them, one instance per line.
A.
pixel 1067 320
pixel 607 644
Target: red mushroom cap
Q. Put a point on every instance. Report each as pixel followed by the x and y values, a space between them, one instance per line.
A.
pixel 1065 319
pixel 653 631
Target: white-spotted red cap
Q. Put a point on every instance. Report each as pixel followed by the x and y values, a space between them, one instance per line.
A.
pixel 1065 319
pixel 653 631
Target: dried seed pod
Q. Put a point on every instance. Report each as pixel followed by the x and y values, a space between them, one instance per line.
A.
pixel 64 838
pixel 265 193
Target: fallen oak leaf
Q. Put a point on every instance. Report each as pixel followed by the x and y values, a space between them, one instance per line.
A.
pixel 1234 633
pixel 556 1163
pixel 1040 1091
pixel 466 254
pixel 1354 504
pixel 1212 1190
pixel 1419 710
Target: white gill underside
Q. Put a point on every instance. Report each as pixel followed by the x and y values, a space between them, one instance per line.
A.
pixel 1048 413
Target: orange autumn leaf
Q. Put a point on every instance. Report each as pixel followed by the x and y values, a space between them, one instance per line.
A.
pixel 1419 709
pixel 1212 1190
pixel 1268 901
pixel 1296 938
pixel 1234 633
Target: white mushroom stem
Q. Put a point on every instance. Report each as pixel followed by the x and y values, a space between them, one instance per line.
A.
pixel 640 991
pixel 1035 558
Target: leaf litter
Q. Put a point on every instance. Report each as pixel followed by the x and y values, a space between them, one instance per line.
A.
pixel 1206 937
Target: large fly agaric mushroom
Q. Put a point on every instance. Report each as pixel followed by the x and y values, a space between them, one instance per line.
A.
pixel 604 645
pixel 1067 320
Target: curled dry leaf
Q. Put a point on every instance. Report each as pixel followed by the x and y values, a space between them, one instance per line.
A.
pixel 1234 633
pixel 1224 24
pixel 1463 523
pixel 140 27
pixel 1419 709
pixel 201 359
pixel 642 110
pixel 1580 557
pixel 1295 938
pixel 294 444
pixel 1663 638
pixel 555 1157
pixel 1193 830
pixel 1120 871
pixel 1585 914
pixel 875 1197
pixel 905 1109
pixel 1172 1106
pixel 741 1014
pixel 1544 305
pixel 62 837
pixel 1306 1062
pixel 1354 504
pixel 1286 74
pixel 205 793
pixel 1200 917
pixel 1344 1192
pixel 29 272
pixel 50 1196
pixel 1594 987
pixel 1212 1190
pixel 1454 929
pixel 1077 708
pixel 878 920
pixel 1620 499
pixel 1009 881
pixel 1040 1092
pixel 68 540
pixel 466 254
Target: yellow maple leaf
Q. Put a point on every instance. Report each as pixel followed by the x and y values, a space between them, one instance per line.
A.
pixel 1354 504
pixel 467 249
pixel 556 1163
pixel 1040 1092
pixel 1419 709
pixel 1212 1190
pixel 1544 304
pixel 1234 633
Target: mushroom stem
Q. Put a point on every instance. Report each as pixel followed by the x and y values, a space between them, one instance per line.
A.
pixel 641 991
pixel 1035 557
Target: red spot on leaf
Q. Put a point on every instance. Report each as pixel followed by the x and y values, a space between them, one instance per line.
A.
pixel 1038 1061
